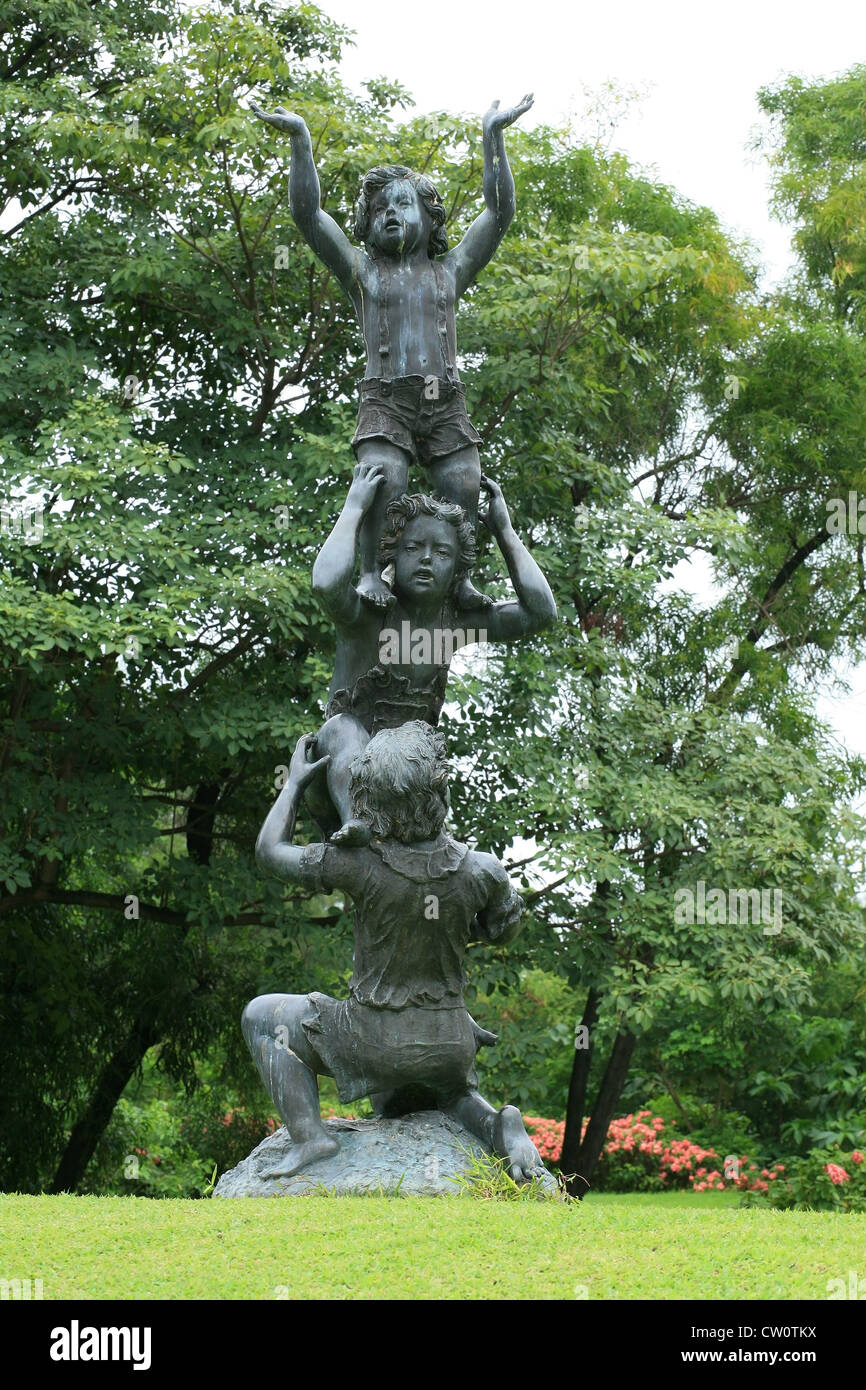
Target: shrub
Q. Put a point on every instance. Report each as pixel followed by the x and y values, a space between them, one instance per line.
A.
pixel 642 1155
pixel 226 1137
pixel 534 1020
pixel 710 1126
pixel 141 1155
pixel 546 1135
pixel 825 1180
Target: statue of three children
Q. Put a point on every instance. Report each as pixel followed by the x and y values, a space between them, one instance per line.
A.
pixel 374 777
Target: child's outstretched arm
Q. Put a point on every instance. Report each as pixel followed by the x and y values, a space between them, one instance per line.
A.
pixel 490 226
pixel 535 606
pixel 274 849
pixel 327 240
pixel 335 562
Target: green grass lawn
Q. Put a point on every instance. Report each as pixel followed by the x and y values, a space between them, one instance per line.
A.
pixel 680 1245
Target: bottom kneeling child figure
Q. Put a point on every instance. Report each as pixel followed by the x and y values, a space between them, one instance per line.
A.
pixel 404 1036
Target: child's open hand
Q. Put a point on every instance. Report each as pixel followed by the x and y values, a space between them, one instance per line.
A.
pixel 281 118
pixel 495 119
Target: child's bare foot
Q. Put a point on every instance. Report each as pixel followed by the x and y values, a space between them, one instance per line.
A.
pixel 468 597
pixel 299 1156
pixel 511 1141
pixel 354 832
pixel 373 590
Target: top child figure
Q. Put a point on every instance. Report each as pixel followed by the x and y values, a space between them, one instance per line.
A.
pixel 412 400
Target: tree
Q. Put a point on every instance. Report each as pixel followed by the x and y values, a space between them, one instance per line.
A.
pixel 814 144
pixel 682 748
pixel 185 432
pixel 138 602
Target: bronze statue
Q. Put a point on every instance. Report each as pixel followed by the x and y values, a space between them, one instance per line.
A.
pixel 374 776
pixel 403 1036
pixel 392 668
pixel 405 285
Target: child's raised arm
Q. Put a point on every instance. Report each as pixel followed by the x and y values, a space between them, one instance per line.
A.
pixel 335 562
pixel 327 240
pixel 490 226
pixel 535 606
pixel 274 849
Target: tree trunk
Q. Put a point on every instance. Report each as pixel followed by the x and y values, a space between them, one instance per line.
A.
pixel 577 1088
pixel 604 1108
pixel 88 1130
pixel 200 822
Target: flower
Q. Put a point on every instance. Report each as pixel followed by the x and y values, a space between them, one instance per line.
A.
pixel 856 1156
pixel 635 1146
pixel 836 1173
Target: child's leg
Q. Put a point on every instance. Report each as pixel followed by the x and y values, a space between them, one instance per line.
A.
pixel 479 1117
pixel 502 1131
pixel 457 478
pixel 341 738
pixel 287 1064
pixel 394 463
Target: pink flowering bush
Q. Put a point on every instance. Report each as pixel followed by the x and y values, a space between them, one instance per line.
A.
pixel 546 1135
pixel 224 1139
pixel 641 1154
pixel 825 1180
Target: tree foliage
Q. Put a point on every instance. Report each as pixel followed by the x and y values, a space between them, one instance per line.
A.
pixel 177 386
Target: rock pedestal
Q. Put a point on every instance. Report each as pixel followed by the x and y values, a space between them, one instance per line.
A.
pixel 414 1155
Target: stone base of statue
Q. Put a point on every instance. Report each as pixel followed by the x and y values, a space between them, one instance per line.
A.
pixel 417 1155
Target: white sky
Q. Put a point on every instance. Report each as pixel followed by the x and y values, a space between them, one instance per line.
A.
pixel 700 65
pixel 697 66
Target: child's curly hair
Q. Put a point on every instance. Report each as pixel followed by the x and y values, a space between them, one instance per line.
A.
pixel 404 509
pixel 399 783
pixel 379 178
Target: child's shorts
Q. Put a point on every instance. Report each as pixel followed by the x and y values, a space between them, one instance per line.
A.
pixel 368 1051
pixel 399 410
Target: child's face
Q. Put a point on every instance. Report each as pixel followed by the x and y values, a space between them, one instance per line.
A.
pixel 399 221
pixel 426 559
